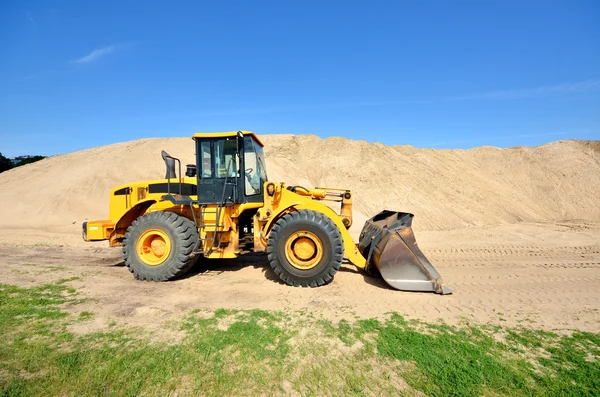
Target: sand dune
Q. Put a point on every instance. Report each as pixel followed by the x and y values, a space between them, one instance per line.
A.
pixel 446 189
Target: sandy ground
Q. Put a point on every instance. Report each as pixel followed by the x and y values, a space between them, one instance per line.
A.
pixel 536 275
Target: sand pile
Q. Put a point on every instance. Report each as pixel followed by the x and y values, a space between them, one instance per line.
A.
pixel 446 189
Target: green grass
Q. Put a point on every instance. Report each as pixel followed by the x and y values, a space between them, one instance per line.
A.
pixel 85 316
pixel 228 352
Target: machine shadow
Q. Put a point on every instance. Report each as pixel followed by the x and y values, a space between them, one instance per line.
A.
pixel 260 261
pixel 375 281
pixel 256 260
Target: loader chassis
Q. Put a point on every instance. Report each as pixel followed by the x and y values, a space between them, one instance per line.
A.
pixel 225 206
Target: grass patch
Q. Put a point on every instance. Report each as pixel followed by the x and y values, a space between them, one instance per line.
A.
pixel 229 352
pixel 85 316
pixel 36 269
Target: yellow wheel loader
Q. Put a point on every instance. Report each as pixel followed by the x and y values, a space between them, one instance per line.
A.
pixel 225 206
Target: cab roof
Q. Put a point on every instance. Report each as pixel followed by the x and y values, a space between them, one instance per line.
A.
pixel 230 134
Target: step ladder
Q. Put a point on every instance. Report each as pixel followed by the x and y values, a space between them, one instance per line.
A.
pixel 208 225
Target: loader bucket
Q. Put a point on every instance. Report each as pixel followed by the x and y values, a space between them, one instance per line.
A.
pixel 388 243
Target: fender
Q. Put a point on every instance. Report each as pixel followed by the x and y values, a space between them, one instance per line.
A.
pixel 280 212
pixel 118 234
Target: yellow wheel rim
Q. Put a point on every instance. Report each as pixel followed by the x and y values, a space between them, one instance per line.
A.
pixel 154 247
pixel 303 250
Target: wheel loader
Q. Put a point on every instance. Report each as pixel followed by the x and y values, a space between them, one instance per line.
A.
pixel 225 206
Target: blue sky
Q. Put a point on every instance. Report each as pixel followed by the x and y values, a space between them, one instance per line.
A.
pixel 443 74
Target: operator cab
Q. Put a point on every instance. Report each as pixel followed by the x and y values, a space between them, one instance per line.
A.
pixel 230 167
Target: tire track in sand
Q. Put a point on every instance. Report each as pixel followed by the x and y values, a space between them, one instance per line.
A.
pixel 520 281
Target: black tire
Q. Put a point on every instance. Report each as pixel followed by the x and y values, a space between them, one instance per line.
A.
pixel 331 241
pixel 184 240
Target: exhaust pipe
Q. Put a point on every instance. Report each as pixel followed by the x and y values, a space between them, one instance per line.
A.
pixel 170 164
pixel 388 243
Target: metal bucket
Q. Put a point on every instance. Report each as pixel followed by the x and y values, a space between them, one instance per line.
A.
pixel 388 243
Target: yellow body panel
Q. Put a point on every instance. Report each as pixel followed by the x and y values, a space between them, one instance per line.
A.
pixel 230 134
pixel 123 200
pixel 140 191
pixel 98 230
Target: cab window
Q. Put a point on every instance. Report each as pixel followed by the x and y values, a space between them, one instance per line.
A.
pixel 255 173
pixel 226 159
pixel 206 158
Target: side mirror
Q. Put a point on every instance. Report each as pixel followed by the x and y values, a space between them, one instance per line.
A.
pixel 240 141
pixel 190 170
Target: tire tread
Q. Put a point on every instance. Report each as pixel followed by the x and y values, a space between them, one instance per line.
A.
pixel 308 217
pixel 185 242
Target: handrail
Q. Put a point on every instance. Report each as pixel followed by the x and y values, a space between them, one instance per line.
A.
pixel 179 175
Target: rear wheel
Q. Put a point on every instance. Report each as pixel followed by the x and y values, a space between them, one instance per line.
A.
pixel 305 248
pixel 160 246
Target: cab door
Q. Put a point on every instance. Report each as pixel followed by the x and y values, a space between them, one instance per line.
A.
pixel 206 180
pixel 218 164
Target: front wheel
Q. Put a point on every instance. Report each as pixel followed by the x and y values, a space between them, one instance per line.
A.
pixel 305 248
